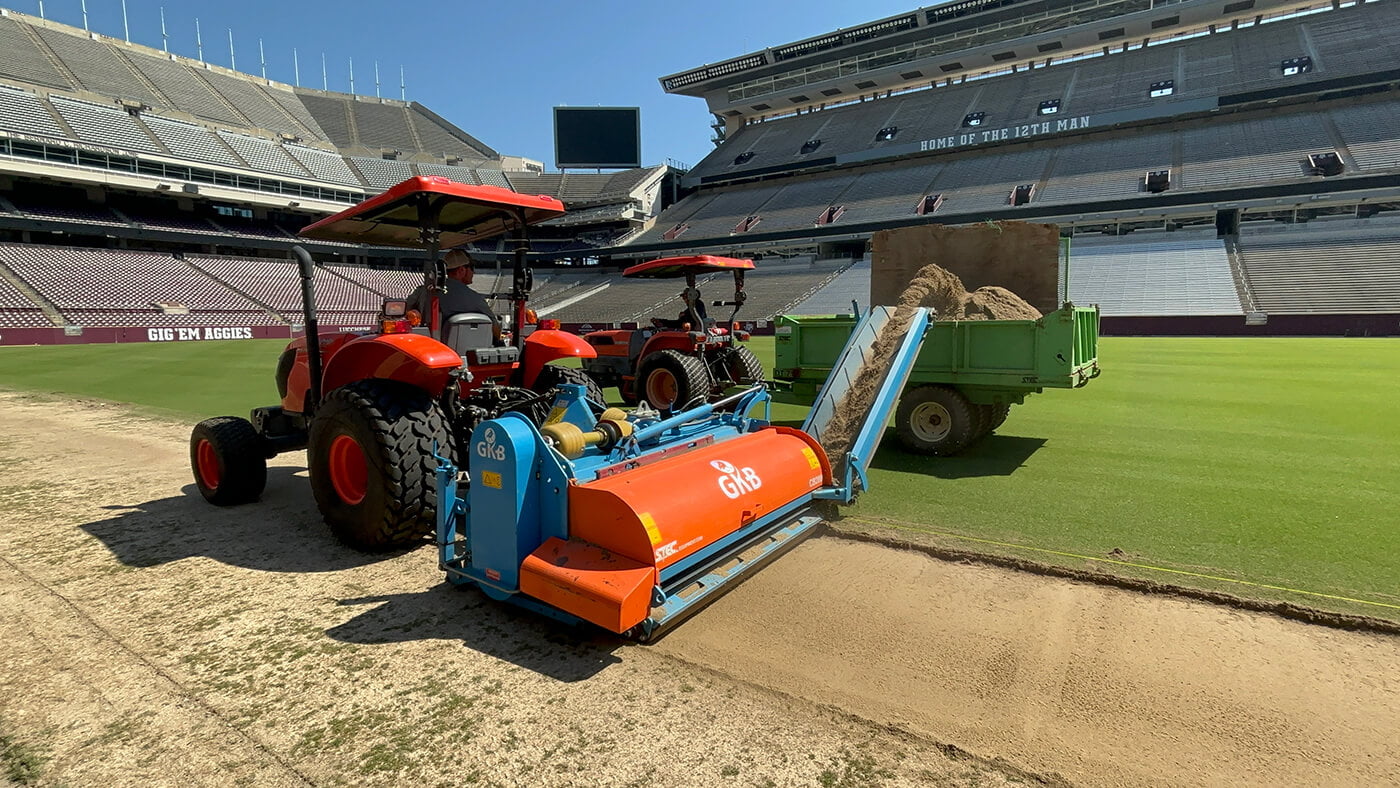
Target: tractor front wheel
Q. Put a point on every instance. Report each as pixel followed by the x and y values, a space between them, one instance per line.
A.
pixel 937 420
pixel 229 460
pixel 744 367
pixel 370 457
pixel 670 380
pixel 554 375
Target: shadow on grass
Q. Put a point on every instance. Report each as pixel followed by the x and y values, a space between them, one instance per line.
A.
pixel 994 455
pixel 281 533
pixel 496 629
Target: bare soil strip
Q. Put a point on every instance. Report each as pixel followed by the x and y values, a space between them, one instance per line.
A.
pixel 147 638
pixel 1100 685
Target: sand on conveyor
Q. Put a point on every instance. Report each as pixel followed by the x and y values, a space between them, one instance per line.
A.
pixel 943 292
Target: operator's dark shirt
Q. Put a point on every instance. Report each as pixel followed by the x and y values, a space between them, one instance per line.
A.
pixel 458 299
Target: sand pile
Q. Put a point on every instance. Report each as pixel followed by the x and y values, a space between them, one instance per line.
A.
pixel 933 287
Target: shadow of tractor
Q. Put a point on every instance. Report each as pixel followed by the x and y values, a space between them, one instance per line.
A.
pixel 281 533
pixel 495 629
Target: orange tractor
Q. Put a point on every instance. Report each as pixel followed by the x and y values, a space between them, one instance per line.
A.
pixel 377 411
pixel 674 364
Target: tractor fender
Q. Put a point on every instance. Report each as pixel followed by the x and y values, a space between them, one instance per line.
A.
pixel 417 360
pixel 293 369
pixel 546 345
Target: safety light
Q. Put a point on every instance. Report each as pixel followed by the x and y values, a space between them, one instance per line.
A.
pixel 531 316
pixel 414 317
pixel 394 326
pixel 549 325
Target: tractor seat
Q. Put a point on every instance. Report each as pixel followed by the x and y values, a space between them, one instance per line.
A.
pixel 472 336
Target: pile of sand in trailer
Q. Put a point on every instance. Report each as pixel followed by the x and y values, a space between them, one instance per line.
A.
pixel 931 287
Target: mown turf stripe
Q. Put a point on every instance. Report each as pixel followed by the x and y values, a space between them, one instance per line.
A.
pixel 1064 554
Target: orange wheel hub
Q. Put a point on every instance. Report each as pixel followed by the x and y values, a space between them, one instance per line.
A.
pixel 208 462
pixel 348 470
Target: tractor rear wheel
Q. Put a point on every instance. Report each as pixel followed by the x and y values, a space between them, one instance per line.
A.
pixel 554 375
pixel 370 457
pixel 229 460
pixel 744 367
pixel 670 380
pixel 936 420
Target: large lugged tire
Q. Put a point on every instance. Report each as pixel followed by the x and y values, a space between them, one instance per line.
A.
pixel 744 367
pixel 229 460
pixel 937 420
pixel 553 375
pixel 371 462
pixel 996 416
pixel 671 380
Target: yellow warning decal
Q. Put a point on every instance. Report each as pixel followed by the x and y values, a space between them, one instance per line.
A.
pixel 649 523
pixel 812 461
pixel 555 416
pixel 491 479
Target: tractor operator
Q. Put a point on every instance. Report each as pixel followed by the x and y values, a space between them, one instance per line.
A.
pixel 459 297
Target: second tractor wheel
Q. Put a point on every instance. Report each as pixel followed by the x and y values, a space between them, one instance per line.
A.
pixel 936 420
pixel 744 367
pixel 670 380
pixel 371 463
pixel 996 416
pixel 229 460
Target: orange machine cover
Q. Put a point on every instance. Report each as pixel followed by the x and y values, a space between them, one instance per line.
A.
pixel 598 586
pixel 659 513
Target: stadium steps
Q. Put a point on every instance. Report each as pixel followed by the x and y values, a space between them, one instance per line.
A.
pixel 140 76
pixel 45 305
pixel 222 99
pixel 1242 288
pixel 53 58
pixel 155 138
pixel 1339 142
pixel 811 291
pixel 261 305
pixel 58 118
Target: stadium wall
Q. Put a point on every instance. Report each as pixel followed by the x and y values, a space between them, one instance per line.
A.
pixel 1234 326
pixel 104 335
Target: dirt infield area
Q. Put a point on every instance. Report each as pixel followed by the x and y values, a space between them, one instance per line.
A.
pixel 150 639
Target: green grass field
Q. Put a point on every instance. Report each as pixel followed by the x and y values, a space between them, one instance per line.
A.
pixel 1261 467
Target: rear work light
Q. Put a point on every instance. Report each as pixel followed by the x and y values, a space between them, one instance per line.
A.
pixel 395 307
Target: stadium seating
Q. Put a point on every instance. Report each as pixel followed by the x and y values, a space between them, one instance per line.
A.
pixel 265 155
pixel 1349 41
pixel 382 125
pixel 380 174
pixel 1185 273
pixel 17 311
pixel 20 57
pixel 97 66
pixel 25 112
pixel 191 141
pixel 85 213
pixel 104 125
pixel 1369 131
pixel 1346 267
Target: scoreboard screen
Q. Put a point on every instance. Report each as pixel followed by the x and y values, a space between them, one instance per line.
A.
pixel 597 137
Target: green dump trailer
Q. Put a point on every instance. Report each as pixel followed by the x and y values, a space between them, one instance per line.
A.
pixel 968 374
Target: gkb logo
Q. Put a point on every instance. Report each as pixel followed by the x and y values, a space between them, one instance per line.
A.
pixel 735 481
pixel 487 446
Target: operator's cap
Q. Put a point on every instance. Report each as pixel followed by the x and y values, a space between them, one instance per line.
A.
pixel 456 259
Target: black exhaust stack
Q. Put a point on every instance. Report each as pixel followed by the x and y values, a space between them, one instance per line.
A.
pixel 307 267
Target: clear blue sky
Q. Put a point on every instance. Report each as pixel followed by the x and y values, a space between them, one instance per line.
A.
pixel 493 68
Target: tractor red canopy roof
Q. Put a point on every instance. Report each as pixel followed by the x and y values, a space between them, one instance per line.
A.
pixel 468 213
pixel 672 267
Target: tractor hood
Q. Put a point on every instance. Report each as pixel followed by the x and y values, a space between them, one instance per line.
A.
pixel 676 267
pixel 465 214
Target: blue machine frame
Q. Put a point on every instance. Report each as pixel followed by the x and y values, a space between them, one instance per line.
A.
pixel 517 498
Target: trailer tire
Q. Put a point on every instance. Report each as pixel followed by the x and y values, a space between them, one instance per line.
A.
pixel 996 416
pixel 553 375
pixel 229 460
pixel 370 458
pixel 670 380
pixel 936 420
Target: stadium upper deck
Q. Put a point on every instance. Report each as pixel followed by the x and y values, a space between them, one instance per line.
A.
pixel 941 44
